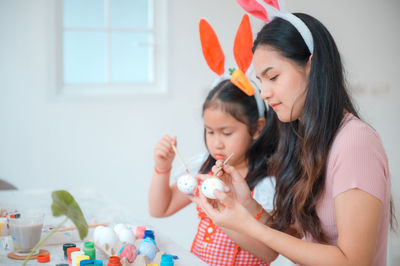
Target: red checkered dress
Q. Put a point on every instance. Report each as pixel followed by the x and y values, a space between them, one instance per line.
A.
pixel 214 247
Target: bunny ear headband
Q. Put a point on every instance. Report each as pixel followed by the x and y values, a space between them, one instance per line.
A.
pixel 267 10
pixel 243 55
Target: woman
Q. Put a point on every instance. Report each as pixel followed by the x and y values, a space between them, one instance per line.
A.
pixel 333 187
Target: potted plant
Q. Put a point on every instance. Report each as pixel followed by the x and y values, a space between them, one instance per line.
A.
pixel 63 204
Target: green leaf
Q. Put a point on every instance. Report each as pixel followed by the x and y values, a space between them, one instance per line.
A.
pixel 65 204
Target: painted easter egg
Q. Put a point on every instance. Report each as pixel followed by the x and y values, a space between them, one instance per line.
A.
pixel 187 184
pixel 148 248
pixel 129 252
pixel 210 185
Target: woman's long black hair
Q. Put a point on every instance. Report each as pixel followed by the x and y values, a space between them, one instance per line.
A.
pixel 299 163
pixel 230 99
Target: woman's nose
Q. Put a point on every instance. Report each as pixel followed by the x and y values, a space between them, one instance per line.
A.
pixel 266 92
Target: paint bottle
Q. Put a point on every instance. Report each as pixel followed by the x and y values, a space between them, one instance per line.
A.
pixel 114 261
pixel 88 249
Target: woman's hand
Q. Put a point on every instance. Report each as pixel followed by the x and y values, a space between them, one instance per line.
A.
pixel 235 183
pixel 232 203
pixel 238 186
pixel 228 213
pixel 164 154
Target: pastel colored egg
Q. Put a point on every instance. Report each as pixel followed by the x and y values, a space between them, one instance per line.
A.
pixel 210 185
pixel 187 184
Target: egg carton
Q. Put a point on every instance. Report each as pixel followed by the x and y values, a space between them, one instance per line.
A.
pixel 141 259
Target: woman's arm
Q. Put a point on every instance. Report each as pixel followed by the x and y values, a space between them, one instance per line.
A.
pixel 255 247
pixel 357 217
pixel 238 188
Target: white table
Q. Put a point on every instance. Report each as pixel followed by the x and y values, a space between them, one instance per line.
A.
pixel 94 206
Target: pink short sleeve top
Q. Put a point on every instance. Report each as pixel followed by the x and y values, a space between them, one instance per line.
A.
pixel 356 160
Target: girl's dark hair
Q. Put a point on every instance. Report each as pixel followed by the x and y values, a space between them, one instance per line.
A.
pixel 299 163
pixel 230 99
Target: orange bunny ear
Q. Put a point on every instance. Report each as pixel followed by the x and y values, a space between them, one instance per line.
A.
pixel 243 44
pixel 211 48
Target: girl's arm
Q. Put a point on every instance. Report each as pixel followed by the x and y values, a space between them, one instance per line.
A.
pixel 357 218
pixel 165 200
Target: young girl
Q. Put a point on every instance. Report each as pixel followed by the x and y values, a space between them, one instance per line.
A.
pixel 234 116
pixel 332 176
pixel 231 125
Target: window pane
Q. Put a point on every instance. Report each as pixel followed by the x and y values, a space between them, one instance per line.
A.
pixel 83 13
pixel 129 13
pixel 84 57
pixel 130 57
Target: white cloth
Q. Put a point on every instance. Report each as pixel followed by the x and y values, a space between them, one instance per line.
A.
pixel 264 193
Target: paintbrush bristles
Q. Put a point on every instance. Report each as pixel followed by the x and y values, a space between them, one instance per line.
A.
pixel 225 163
pixel 180 158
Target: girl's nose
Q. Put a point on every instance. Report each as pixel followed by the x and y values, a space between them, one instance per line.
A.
pixel 218 143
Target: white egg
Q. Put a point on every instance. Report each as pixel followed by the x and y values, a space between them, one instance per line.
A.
pixel 97 233
pixel 126 235
pixel 107 236
pixel 210 185
pixel 187 184
pixel 119 227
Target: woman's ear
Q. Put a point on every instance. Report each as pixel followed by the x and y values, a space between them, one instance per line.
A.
pixel 260 124
pixel 308 65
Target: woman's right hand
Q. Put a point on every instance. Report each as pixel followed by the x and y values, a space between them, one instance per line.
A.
pixel 235 182
pixel 228 212
pixel 164 154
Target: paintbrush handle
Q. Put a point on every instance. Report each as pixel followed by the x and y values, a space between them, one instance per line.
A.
pixel 225 163
pixel 73 227
pixel 180 158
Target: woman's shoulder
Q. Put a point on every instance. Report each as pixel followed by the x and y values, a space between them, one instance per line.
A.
pixel 357 159
pixel 353 132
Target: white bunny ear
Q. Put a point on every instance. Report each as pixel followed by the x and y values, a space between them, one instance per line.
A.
pixel 282 6
pixel 254 8
pixel 266 10
pixel 271 7
pixel 211 48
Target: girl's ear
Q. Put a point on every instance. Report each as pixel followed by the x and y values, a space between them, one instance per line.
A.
pixel 260 124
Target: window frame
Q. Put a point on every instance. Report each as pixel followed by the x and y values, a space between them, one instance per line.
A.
pixel 158 59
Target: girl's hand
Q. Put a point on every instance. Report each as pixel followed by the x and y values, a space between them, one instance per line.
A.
pixel 164 154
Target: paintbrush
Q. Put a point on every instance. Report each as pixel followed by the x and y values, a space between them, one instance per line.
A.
pixel 180 158
pixel 225 163
pixel 62 229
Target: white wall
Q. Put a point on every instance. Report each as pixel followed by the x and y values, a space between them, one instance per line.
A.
pixel 108 143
